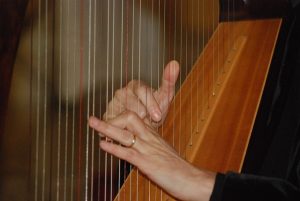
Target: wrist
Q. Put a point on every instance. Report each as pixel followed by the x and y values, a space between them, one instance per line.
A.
pixel 202 184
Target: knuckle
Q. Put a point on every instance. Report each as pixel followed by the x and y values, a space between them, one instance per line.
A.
pixel 110 105
pixel 104 115
pixel 141 110
pixel 109 110
pixel 141 89
pixel 132 83
pixel 131 116
pixel 119 93
pixel 125 135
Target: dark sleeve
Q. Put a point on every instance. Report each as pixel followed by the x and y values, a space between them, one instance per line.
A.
pixel 242 187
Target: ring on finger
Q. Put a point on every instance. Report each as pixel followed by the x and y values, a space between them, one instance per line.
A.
pixel 132 142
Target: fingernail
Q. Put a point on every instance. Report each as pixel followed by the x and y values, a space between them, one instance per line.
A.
pixel 156 114
pixel 93 121
pixel 142 114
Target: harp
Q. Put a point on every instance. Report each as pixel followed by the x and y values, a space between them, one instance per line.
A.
pixel 60 158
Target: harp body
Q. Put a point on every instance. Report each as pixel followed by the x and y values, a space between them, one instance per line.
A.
pixel 218 140
pixel 209 123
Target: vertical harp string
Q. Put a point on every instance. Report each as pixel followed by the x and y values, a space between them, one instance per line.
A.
pixel 121 82
pixel 162 65
pixel 107 91
pixel 151 70
pixel 198 53
pixel 60 103
pixel 74 102
pixel 180 76
pixel 87 151
pixel 203 64
pixel 228 31
pixel 67 106
pixel 30 128
pixel 132 76
pixel 94 98
pixel 45 101
pixel 186 58
pixel 112 88
pixel 213 53
pixel 101 30
pixel 81 71
pixel 192 75
pixel 37 137
pixel 173 58
pixel 126 71
pixel 207 68
pixel 139 78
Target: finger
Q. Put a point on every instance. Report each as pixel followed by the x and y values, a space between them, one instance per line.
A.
pixel 122 136
pixel 115 107
pixel 119 151
pixel 145 95
pixel 130 121
pixel 130 101
pixel 169 79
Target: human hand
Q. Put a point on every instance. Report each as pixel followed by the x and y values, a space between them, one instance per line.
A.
pixel 145 149
pixel 150 105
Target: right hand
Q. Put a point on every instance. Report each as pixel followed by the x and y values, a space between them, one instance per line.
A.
pixel 146 149
pixel 150 105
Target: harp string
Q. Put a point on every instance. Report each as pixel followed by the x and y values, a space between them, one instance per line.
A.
pixel 45 102
pixel 163 61
pixel 31 118
pixel 121 81
pixel 192 62
pixel 73 105
pixel 206 73
pixel 37 113
pixel 107 92
pixel 112 87
pixel 228 29
pixel 81 74
pixel 87 152
pixel 198 52
pixel 203 64
pixel 172 54
pixel 174 57
pixel 94 97
pixel 218 52
pixel 66 105
pixel 186 59
pixel 60 103
pixel 132 77
pixel 100 103
pixel 38 108
pixel 151 71
pixel 126 71
pixel 213 65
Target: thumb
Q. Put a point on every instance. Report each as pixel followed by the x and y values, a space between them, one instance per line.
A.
pixel 169 79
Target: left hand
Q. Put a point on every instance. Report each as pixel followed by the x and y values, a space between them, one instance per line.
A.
pixel 149 104
pixel 153 156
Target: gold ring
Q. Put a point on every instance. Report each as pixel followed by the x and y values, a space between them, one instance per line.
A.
pixel 132 142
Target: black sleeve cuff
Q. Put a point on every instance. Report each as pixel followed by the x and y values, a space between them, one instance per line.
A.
pixel 218 188
pixel 236 187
